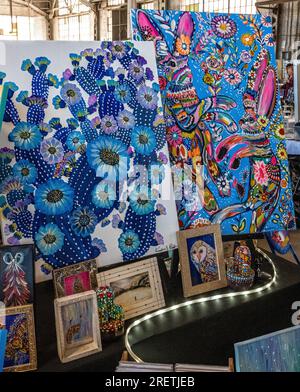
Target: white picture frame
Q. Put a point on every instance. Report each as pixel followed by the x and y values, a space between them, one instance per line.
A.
pixel 150 296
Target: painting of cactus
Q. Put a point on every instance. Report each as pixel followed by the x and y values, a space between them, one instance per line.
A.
pixel 218 79
pixel 83 156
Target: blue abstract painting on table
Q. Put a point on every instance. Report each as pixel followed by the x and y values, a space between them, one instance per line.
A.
pixel 71 154
pixel 225 133
pixel 276 352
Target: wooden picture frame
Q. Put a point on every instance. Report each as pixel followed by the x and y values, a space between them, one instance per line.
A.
pixel 77 326
pixel 3 336
pixel 19 323
pixel 137 286
pixel 23 257
pixel 64 279
pixel 210 274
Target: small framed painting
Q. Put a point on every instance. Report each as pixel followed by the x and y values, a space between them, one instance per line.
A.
pixel 17 275
pixel 201 259
pixel 75 279
pixel 137 286
pixel 20 352
pixel 77 326
pixel 3 335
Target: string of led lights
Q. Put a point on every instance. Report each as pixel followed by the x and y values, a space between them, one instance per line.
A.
pixel 197 301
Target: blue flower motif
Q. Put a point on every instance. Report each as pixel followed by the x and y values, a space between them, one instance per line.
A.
pixel 87 53
pixel 53 80
pixel 83 221
pixel 54 197
pixel 72 123
pixel 143 140
pixel 99 244
pixel 52 150
pixel 26 65
pixel 45 128
pixel 129 242
pixel 122 93
pixel 25 136
pixel 70 93
pixel 74 140
pixel 42 62
pixel 49 239
pixel 75 58
pixel 22 96
pixel 118 49
pixel 116 221
pixel 126 120
pixel 107 156
pixel 25 171
pixel 109 124
pixel 149 74
pixel 141 201
pixel 55 123
pixel 147 98
pixel 12 86
pixel 104 195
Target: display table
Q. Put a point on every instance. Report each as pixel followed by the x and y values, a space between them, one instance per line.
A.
pixel 202 333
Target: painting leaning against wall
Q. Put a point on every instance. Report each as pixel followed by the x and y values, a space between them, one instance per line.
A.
pixel 224 124
pixel 83 157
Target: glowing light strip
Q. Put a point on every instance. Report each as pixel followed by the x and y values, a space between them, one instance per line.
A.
pixel 197 301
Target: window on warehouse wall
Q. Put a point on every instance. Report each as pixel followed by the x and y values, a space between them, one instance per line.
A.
pixel 116 20
pixel 149 5
pixel 74 21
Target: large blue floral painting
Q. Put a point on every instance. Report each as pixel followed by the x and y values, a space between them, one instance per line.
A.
pixel 224 125
pixel 83 157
